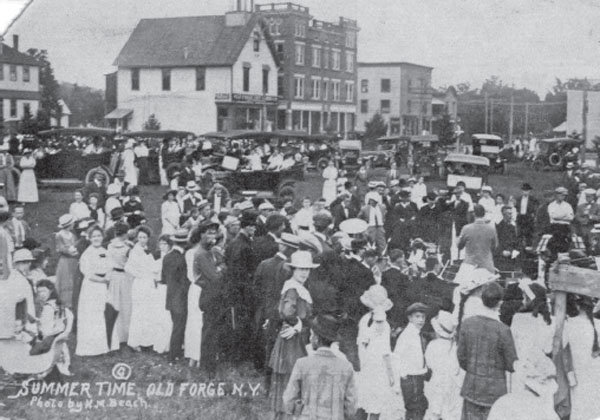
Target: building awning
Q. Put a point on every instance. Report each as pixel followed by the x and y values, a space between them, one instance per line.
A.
pixel 561 128
pixel 436 101
pixel 118 113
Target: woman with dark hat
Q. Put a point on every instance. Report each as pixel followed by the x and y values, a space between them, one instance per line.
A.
pixel 295 308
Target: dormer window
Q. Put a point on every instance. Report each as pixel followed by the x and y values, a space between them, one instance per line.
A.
pixel 256 41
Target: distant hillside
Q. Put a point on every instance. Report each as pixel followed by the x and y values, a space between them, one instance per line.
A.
pixel 86 104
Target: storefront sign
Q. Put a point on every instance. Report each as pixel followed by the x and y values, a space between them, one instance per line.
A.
pixel 245 98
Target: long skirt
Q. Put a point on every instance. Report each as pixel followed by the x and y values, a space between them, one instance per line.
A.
pixel 119 296
pixel 142 326
pixel 193 326
pixel 67 271
pixel 28 191
pixel 473 411
pixel 7 178
pixel 279 382
pixel 283 357
pixel 164 324
pixel 91 324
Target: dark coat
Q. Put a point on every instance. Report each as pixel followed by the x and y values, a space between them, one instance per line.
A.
pixel 339 215
pixel 433 292
pixel 187 174
pixel 241 264
pixel 269 278
pixel 357 279
pixel 174 275
pixel 208 276
pixel 460 215
pixel 264 247
pixel 507 241
pixel 397 285
pixel 324 282
pixel 542 219
pixel 91 188
pixel 403 224
pixel 427 226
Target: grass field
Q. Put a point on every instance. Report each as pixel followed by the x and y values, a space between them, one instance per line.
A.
pixel 149 369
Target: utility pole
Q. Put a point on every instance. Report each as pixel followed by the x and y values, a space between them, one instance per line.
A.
pixel 584 130
pixel 491 116
pixel 486 112
pixel 511 122
pixel 526 119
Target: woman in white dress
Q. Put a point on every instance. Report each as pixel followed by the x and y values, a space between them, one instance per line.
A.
pixel 28 191
pixel 163 323
pixel 170 213
pixel 79 209
pixel 193 326
pixel 140 266
pixel 128 157
pixel 330 174
pixel 91 325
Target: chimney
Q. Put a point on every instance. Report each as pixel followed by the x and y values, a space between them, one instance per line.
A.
pixel 16 42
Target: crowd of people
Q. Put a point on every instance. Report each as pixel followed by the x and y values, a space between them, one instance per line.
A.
pixel 340 302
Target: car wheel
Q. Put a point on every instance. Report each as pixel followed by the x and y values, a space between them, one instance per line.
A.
pixel 555 159
pixel 89 177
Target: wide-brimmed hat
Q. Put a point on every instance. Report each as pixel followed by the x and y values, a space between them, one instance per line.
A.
pixel 65 220
pixel 444 325
pixel 202 203
pixel 117 213
pixel 230 220
pixel 376 297
pixel 207 225
pixel 477 278
pixel 589 191
pixel 372 184
pixel 173 192
pixel 192 186
pixel 302 259
pixel 394 182
pixel 570 165
pixel 289 240
pixel 266 205
pixel 417 307
pixel 326 326
pixel 245 205
pixel 537 372
pixel 310 241
pixel 180 236
pixel 84 223
pixel 353 226
pixel 22 255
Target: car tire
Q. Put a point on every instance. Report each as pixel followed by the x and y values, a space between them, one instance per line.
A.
pixel 555 159
pixel 89 177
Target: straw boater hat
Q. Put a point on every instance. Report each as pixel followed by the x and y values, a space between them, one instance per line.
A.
pixel 376 299
pixel 266 206
pixel 180 236
pixel 310 241
pixel 65 220
pixel 22 255
pixel 192 186
pixel 478 278
pixel 353 226
pixel 289 240
pixel 444 325
pixel 302 259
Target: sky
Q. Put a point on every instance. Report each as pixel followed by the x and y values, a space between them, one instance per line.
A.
pixel 527 43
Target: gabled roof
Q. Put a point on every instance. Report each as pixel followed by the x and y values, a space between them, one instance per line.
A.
pixel 11 56
pixel 205 40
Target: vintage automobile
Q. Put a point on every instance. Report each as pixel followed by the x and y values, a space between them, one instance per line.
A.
pixel 227 173
pixel 350 155
pixel 491 147
pixel 472 170
pixel 555 153
pixel 418 151
pixel 62 159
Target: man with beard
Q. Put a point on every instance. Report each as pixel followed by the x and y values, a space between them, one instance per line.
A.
pixel 209 276
pixel 241 264
pixel 269 278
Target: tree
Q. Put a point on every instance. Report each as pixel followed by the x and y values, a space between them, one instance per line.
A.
pixel 86 104
pixel 376 127
pixel 152 123
pixel 29 125
pixel 446 130
pixel 49 89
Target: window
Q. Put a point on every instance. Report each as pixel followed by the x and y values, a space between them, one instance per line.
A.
pixel 424 108
pixel 26 109
pixel 316 88
pixel 256 41
pixel 265 80
pixel 385 106
pixel 135 79
pixel 200 78
pixel 275 26
pixel 300 49
pixel 279 50
pixel 409 106
pixel 1 74
pixel 325 58
pixel 335 59
pixel 350 61
pixel 298 86
pixel 364 86
pixel 350 40
pixel 364 106
pixel 280 82
pixel 336 90
pixel 300 30
pixel 246 81
pixel 386 85
pixel 26 75
pixel 13 73
pixel 166 79
pixel 13 108
pixel 326 90
pixel 316 56
pixel 349 92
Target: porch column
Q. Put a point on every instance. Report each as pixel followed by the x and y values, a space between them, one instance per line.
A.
pixel 309 122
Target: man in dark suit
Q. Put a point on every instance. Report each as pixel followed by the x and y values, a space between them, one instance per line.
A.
pixel 174 275
pixel 405 215
pixel 266 246
pixel 343 211
pixel 508 243
pixel 526 208
pixel 321 223
pixel 427 226
pixel 396 283
pixel 187 173
pixel 269 278
pixel 241 264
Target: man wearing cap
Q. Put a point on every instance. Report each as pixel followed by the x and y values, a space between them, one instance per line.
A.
pixel 265 209
pixel 561 215
pixel 374 214
pixel 208 274
pixel 266 246
pixel 269 278
pixel 174 275
pixel 526 207
pixel 587 214
pixel 321 385
pixel 241 264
